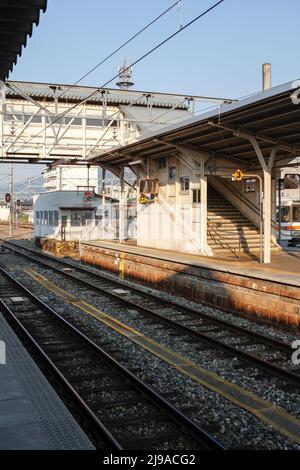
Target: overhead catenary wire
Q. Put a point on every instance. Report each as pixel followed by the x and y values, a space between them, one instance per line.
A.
pixel 146 54
pixel 121 47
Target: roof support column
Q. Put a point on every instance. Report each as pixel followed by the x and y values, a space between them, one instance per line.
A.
pixel 122 210
pixel 267 196
pixel 203 212
pixel 2 112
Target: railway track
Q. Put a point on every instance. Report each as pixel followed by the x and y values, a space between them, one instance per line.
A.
pixel 121 411
pixel 265 353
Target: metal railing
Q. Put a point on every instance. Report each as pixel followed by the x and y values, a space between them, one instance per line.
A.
pixel 213 230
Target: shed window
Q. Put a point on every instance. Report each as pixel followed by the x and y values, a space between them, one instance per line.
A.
pixel 55 218
pixel 75 219
pixel 85 216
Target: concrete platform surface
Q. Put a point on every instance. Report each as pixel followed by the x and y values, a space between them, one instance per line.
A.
pixel 32 416
pixel 284 268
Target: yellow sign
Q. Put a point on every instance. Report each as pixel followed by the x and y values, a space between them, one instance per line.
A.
pixel 238 175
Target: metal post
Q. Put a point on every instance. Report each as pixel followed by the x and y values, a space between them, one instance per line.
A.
pixel 88 176
pixel 261 215
pixel 267 216
pixel 280 180
pixel 122 210
pixel 10 190
pixel 203 212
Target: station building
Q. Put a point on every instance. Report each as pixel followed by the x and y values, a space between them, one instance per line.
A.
pixel 63 126
pixel 188 199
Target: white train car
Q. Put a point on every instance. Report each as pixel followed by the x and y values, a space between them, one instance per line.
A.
pixel 290 221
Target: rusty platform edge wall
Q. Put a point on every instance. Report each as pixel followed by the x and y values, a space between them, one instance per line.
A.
pixel 228 291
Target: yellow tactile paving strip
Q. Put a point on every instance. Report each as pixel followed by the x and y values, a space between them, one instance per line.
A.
pixel 272 415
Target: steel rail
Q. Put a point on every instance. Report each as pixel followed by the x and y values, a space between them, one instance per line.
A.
pixel 183 422
pixel 270 368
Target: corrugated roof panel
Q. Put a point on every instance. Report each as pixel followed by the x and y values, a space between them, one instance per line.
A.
pixel 153 119
pixel 79 93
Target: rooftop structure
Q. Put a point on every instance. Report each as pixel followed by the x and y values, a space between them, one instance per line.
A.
pixel 53 121
pixel 16 24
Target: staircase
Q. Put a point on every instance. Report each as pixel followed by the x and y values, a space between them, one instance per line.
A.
pixel 228 231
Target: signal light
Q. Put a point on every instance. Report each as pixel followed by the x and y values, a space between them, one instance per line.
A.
pixel 88 195
pixel 8 198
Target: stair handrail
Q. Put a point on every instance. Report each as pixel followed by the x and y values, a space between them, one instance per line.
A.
pixel 218 225
pixel 244 200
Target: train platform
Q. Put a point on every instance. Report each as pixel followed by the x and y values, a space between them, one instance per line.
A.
pixel 32 416
pixel 242 285
pixel 285 266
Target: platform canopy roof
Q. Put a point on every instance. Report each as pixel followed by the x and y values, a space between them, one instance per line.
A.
pixel 272 117
pixel 97 95
pixel 17 18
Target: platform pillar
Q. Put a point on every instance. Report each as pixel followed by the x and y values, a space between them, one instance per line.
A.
pixel 122 210
pixel 267 208
pixel 203 212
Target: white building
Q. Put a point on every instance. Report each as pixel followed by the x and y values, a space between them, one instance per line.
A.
pixel 72 216
pixel 59 177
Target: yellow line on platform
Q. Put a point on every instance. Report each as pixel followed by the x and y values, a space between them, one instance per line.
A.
pixel 271 414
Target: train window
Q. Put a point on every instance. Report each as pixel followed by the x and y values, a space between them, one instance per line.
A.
pixel 285 214
pixel 51 218
pixel 37 217
pixel 296 213
pixel 45 217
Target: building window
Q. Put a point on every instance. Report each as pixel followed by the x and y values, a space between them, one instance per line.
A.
pixel 196 196
pixel 93 122
pixel 161 163
pixel 51 218
pixel 55 218
pixel 250 185
pixel 85 216
pixel 75 219
pixel 185 183
pixel 172 173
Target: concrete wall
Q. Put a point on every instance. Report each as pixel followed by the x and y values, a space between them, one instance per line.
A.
pixel 172 222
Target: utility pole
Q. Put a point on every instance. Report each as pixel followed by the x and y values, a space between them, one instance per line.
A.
pixel 10 190
pixel 11 186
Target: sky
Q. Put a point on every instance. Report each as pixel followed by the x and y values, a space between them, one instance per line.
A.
pixel 220 55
